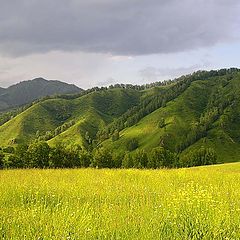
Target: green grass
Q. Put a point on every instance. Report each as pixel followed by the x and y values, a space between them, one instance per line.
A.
pixel 25 125
pixel 196 203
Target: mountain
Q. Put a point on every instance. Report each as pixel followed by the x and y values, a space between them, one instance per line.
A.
pixel 28 91
pixel 200 109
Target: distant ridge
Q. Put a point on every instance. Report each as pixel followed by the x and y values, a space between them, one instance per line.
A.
pixel 2 90
pixel 30 90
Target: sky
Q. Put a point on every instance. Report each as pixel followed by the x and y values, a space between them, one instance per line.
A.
pixel 102 42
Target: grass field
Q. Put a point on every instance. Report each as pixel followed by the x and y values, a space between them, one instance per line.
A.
pixel 196 203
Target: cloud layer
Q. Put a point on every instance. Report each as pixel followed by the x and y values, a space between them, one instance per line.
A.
pixel 120 27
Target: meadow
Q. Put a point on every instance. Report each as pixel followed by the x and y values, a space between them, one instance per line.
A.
pixel 194 203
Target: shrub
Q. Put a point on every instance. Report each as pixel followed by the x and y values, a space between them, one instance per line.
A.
pixel 140 159
pixel 132 144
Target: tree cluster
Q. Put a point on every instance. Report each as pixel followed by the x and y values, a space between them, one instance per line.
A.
pixel 51 134
pixel 199 157
pixel 41 155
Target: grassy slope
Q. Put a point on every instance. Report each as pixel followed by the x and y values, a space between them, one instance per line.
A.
pixel 179 114
pixel 94 111
pixel 225 140
pixel 25 125
pixel 90 112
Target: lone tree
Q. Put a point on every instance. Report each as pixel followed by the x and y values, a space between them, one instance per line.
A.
pixel 161 123
pixel 115 136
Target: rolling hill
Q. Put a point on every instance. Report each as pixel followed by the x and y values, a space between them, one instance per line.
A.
pixel 183 116
pixel 73 117
pixel 200 109
pixel 28 91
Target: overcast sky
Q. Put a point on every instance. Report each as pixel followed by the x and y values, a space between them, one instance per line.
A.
pixel 101 42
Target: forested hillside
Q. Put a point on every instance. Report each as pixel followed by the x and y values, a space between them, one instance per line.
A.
pixel 206 112
pixel 192 120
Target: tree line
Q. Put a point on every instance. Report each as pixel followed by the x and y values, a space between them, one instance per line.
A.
pixel 41 155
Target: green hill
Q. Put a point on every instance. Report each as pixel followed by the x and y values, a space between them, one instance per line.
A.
pixel 200 109
pixel 213 103
pixel 70 118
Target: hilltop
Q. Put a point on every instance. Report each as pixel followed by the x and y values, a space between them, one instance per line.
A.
pixel 27 91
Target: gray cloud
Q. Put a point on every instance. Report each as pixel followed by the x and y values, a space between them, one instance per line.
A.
pixel 152 74
pixel 122 27
pixel 107 82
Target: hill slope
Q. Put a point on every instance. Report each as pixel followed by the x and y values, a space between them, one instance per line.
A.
pixel 69 119
pixel 207 114
pixel 28 91
pixel 201 109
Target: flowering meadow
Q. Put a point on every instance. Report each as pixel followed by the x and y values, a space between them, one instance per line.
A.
pixel 194 203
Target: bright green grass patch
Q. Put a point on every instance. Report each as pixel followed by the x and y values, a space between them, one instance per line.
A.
pixel 196 203
pixel 25 125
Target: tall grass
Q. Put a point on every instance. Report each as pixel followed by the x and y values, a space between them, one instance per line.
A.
pixel 197 203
